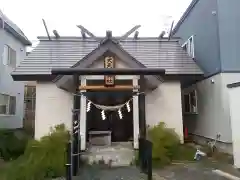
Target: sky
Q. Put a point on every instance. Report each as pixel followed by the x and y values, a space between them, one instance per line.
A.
pixel 95 15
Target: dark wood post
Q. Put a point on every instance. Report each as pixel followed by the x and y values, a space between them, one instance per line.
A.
pixel 149 159
pixel 69 161
pixel 75 125
pixel 142 110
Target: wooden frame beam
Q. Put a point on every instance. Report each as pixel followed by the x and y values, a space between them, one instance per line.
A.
pixel 108 71
pixel 111 88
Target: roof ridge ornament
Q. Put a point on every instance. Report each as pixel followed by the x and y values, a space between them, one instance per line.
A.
pixel 56 34
pixel 136 35
pixel 46 29
pixel 109 37
pixel 162 35
pixel 86 31
pixel 128 33
pixel 109 34
pixel 171 29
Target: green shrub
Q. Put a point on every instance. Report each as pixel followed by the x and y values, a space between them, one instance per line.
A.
pixel 166 144
pixel 185 153
pixel 12 143
pixel 42 159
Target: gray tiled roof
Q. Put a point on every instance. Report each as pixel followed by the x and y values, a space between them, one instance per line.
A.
pixel 67 51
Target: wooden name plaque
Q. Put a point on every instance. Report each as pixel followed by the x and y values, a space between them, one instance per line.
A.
pixel 109 62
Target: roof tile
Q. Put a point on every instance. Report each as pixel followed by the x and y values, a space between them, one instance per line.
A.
pixel 67 52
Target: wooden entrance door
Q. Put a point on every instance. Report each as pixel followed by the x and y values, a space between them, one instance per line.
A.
pixel 122 129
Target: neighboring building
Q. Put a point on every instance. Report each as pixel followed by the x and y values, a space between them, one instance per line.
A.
pixel 209 30
pixel 54 97
pixel 12 51
pixel 234 101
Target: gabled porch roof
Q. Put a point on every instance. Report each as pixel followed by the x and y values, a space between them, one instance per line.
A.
pixel 106 46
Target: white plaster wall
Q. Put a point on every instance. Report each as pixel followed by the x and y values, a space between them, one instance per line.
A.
pixel 228 78
pixel 222 146
pixel 234 101
pixel 213 108
pixel 211 118
pixel 164 105
pixel 53 107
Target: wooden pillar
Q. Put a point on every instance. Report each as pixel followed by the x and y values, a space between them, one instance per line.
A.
pixel 142 110
pixel 83 116
pixel 75 124
pixel 135 116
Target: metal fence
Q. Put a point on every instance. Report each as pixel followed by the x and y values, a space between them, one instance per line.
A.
pixel 145 157
pixel 73 160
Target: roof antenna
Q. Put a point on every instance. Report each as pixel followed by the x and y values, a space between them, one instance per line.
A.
pixel 125 36
pixel 170 33
pixel 44 23
pixel 162 34
pixel 84 30
pixel 56 34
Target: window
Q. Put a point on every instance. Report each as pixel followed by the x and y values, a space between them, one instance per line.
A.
pixel 9 56
pixel 30 97
pixel 3 104
pixel 7 104
pixel 12 105
pixel 190 102
pixel 189 46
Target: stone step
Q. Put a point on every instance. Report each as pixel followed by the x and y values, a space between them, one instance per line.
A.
pixel 110 156
pixel 125 173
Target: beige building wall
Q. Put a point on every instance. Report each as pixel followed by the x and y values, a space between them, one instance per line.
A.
pixel 53 107
pixel 234 102
pixel 213 115
pixel 164 105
